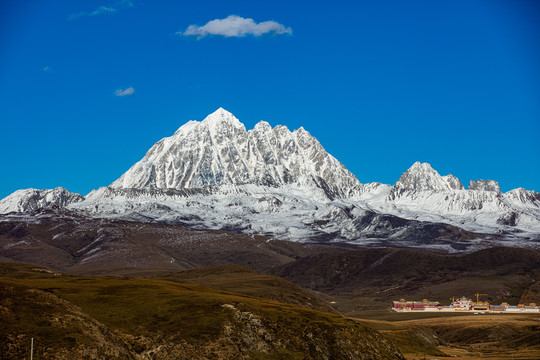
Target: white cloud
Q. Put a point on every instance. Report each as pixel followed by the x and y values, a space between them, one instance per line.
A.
pixel 235 26
pixel 128 91
pixel 104 9
pixel 46 69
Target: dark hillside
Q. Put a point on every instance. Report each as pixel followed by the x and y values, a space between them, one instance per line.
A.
pixel 68 242
pixel 377 276
pixel 532 294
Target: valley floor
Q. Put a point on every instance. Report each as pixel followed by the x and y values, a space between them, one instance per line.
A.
pixel 459 336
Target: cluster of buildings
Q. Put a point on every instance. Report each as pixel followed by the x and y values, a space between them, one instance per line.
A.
pixel 463 304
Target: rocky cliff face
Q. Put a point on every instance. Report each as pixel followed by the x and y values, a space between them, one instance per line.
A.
pixel 484 185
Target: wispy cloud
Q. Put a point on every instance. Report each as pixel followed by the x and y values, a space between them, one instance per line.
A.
pixel 128 91
pixel 46 69
pixel 235 26
pixel 104 9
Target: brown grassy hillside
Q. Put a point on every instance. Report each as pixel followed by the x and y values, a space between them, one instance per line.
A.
pixel 242 280
pixel 157 319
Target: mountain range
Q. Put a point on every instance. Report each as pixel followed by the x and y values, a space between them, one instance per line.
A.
pixel 215 174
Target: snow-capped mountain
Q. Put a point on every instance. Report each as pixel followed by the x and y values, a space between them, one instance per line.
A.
pixel 33 199
pixel 219 151
pixel 421 193
pixel 271 181
pixel 422 177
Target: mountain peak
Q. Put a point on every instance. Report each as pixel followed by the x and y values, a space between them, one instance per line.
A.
pixel 484 185
pixel 221 117
pixel 422 177
pixel 421 167
pixel 262 126
pixel 222 111
pixel 219 151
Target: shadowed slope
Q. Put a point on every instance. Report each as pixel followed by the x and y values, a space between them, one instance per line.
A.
pixel 374 277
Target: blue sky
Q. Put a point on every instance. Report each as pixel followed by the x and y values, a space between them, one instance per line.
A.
pixel 381 84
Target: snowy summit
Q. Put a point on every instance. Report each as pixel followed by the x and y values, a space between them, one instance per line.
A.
pixel 219 151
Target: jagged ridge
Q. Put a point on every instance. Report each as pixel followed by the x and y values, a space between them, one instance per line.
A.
pixel 219 151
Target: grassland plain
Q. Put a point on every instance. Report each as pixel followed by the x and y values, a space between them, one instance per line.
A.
pixel 146 318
